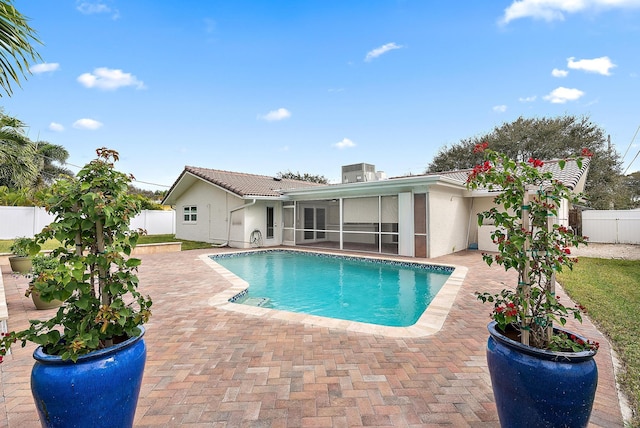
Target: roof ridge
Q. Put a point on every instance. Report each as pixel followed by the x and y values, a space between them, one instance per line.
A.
pixel 229 172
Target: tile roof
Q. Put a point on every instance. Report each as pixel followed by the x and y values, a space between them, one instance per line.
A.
pixel 569 175
pixel 253 185
pixel 243 184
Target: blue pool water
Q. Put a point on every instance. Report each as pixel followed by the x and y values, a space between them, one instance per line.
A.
pixel 384 293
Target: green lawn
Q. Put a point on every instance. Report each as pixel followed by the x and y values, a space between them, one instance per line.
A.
pixel 150 239
pixel 610 290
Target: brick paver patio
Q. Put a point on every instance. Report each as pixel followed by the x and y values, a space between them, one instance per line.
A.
pixel 207 367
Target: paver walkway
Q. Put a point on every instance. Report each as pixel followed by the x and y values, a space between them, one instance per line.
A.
pixel 207 367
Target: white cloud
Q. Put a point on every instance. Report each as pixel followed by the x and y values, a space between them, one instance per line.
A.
pixel 561 95
pixel 559 73
pixel 88 124
pixel 600 65
pixel 92 8
pixel 274 115
pixel 109 79
pixel 527 99
pixel 375 53
pixel 53 126
pixel 45 67
pixel 344 144
pixel 555 10
pixel 500 109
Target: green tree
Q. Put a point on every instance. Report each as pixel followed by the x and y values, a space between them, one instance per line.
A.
pixel 24 197
pixel 16 49
pixel 548 138
pixel 148 199
pixel 18 166
pixel 321 179
pixel 25 164
pixel 50 158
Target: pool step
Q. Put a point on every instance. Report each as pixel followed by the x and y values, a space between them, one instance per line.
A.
pixel 256 301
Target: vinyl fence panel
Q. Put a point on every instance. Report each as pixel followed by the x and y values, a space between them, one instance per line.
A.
pixel 155 222
pixel 22 221
pixel 27 221
pixel 612 226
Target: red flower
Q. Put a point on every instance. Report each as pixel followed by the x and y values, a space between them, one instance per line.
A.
pixel 485 167
pixel 566 250
pixel 479 148
pixel 537 163
pixel 586 152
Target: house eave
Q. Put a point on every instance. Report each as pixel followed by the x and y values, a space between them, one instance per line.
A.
pixel 391 186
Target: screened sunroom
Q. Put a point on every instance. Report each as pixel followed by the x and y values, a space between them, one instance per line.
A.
pixel 357 224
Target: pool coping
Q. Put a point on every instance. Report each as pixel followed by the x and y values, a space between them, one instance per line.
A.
pixel 429 323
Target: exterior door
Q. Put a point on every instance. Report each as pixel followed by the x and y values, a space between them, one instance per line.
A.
pixel 271 222
pixel 314 223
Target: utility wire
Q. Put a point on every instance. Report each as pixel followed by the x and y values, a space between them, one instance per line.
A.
pixel 630 144
pixel 79 167
pixel 631 163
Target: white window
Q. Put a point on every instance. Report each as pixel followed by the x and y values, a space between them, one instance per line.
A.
pixel 190 214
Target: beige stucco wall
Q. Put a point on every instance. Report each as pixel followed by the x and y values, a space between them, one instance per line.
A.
pixel 485 203
pixel 255 217
pixel 213 209
pixel 478 205
pixel 448 216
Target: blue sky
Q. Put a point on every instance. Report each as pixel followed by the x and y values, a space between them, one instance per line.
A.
pixel 309 86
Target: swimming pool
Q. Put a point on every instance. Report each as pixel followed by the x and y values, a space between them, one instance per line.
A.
pixel 380 292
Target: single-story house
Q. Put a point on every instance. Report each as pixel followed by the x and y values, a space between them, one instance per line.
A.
pixel 418 216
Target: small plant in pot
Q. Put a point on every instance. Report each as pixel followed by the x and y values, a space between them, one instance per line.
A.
pixel 44 265
pixel 91 357
pixel 21 260
pixel 542 375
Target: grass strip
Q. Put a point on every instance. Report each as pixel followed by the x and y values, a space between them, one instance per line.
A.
pixel 610 290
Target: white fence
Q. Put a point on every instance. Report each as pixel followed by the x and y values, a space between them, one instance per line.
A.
pixel 612 226
pixel 27 221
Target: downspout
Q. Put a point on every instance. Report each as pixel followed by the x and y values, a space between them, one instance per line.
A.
pixel 469 222
pixel 231 211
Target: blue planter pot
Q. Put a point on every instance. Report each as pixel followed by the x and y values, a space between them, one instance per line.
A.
pixel 539 388
pixel 99 390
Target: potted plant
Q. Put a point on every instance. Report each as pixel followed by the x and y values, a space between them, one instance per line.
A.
pixel 90 361
pixel 21 260
pixel 541 374
pixel 43 264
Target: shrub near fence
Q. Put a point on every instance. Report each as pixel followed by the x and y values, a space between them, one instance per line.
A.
pixel 612 226
pixel 27 221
